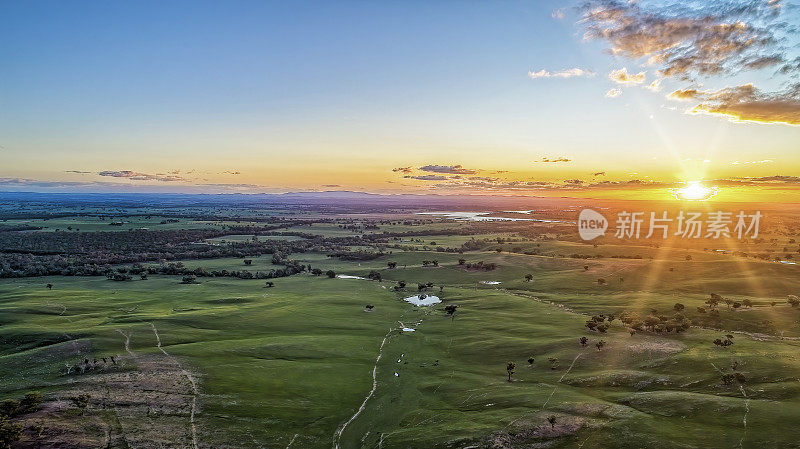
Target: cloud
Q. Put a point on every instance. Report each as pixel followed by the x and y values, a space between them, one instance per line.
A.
pixel 331 185
pixel 790 67
pixel 685 95
pixel 567 73
pixel 621 76
pixel 764 161
pixel 710 38
pixel 136 176
pixel 748 104
pixel 691 41
pixel 228 172
pixel 402 170
pixel 613 93
pixel 558 14
pixel 599 173
pixel 655 86
pixel 448 169
pixel 560 159
pixel 428 177
pixel 78 171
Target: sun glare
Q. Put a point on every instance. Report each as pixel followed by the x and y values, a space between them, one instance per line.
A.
pixel 695 191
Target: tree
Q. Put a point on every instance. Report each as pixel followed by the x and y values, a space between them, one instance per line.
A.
pixel 450 310
pixel 369 307
pixel 528 277
pixel 269 284
pixel 9 408
pixel 49 286
pixel 374 275
pixel 510 368
pixel 462 261
pixel 793 300
pixel 553 362
pixel 143 276
pixel 552 420
pixel 531 360
pixel 29 402
pixel 331 274
pixel 80 401
pixel 600 344
pixel 189 280
pixel 9 433
pixel 584 340
pixel 601 281
pixel 392 265
pixel 678 307
pixel 586 268
pixel 248 261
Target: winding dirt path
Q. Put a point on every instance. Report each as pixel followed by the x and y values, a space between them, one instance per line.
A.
pixel 191 381
pixel 127 341
pixel 338 435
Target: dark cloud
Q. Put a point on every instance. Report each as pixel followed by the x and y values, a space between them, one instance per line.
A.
pixel 448 169
pixel 78 171
pixel 402 169
pixel 599 173
pixel 137 176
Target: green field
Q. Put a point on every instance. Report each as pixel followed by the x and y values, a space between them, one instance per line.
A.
pixel 232 363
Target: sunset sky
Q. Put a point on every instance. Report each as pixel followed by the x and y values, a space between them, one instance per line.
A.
pixel 597 98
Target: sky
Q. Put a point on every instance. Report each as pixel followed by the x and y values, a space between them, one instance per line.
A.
pixel 594 98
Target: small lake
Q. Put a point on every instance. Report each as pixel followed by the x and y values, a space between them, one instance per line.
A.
pixel 423 300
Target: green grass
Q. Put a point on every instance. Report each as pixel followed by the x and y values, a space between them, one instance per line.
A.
pixel 295 362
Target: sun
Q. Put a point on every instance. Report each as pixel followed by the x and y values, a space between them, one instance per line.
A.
pixel 695 191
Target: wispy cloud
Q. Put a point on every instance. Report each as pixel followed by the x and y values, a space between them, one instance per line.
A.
pixel 613 93
pixel 428 177
pixel 763 161
pixel 558 159
pixel 448 169
pixel 621 76
pixel 137 176
pixel 403 170
pixel 567 73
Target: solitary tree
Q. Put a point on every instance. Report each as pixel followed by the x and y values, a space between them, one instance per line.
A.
pixel 331 274
pixel 584 340
pixel 552 420
pixel 679 307
pixel 49 286
pixel 600 344
pixel 269 284
pixel 392 265
pixel 510 368
pixel 528 277
pixel 531 360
